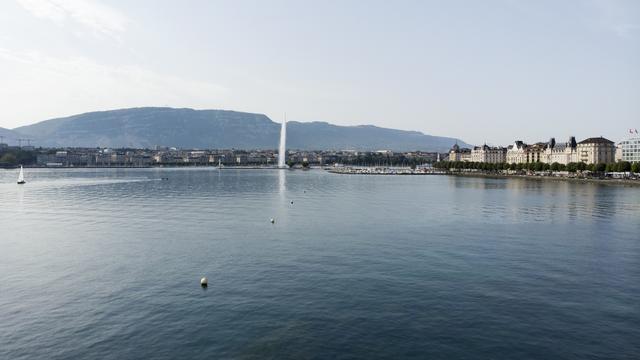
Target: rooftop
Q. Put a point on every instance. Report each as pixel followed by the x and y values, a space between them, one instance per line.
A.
pixel 596 140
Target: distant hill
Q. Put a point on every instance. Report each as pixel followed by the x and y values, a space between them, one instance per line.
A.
pixel 322 135
pixel 10 136
pixel 188 128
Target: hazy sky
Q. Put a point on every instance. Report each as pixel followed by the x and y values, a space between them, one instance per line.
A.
pixel 484 71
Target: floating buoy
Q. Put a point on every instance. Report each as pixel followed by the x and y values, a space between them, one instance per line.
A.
pixel 291 202
pixel 273 220
pixel 204 282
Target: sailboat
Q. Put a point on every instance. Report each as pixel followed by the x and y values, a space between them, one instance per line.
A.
pixel 21 176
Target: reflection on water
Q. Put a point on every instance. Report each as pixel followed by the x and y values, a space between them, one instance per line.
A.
pixel 282 181
pixel 543 201
pixel 105 263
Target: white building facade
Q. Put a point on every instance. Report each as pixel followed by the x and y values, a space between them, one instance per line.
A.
pixel 562 153
pixel 629 150
pixel 489 154
pixel 517 153
pixel 459 154
pixel 596 150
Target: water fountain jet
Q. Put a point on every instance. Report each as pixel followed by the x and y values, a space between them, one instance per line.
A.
pixel 283 145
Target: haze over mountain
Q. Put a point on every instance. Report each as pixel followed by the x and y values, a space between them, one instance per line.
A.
pixel 187 128
pixel 8 135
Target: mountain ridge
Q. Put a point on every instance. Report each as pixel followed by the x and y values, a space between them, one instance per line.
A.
pixel 146 127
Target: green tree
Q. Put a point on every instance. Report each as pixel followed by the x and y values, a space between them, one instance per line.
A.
pixel 8 158
pixel 614 167
pixel 624 166
pixel 610 167
pixel 635 168
pixel 601 167
pixel 538 166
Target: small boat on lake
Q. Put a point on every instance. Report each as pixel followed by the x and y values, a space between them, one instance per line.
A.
pixel 21 176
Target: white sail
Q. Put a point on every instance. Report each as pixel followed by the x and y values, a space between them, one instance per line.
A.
pixel 21 175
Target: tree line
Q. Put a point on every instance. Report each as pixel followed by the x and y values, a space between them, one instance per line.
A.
pixel 620 166
pixel 10 158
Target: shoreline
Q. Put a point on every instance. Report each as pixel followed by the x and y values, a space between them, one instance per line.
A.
pixel 151 167
pixel 605 181
pixel 398 172
pixel 203 167
pixel 591 180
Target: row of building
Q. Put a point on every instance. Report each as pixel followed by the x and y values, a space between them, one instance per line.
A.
pixel 595 150
pixel 591 151
pixel 146 157
pixel 96 157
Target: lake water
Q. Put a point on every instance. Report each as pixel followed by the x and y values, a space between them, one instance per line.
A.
pixel 106 264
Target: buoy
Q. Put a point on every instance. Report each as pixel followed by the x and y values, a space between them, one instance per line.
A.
pixel 273 220
pixel 204 282
pixel 291 202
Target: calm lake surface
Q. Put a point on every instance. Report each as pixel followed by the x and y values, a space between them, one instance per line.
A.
pixel 106 263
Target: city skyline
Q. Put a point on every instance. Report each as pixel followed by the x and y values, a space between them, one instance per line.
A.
pixel 478 72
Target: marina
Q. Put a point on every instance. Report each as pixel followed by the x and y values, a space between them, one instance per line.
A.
pixel 384 171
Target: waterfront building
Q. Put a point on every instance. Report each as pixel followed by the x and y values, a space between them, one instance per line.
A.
pixel 459 154
pixel 489 154
pixel 596 150
pixel 465 154
pixel 629 150
pixel 562 153
pixel 197 157
pixel 63 158
pixel 591 151
pixel 537 152
pixel 517 153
